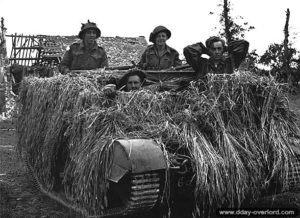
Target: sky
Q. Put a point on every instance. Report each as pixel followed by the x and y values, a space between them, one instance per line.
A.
pixel 188 20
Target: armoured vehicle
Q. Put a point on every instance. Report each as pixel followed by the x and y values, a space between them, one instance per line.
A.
pixel 140 171
pixel 144 179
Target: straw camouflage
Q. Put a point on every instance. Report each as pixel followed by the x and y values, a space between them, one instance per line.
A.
pixel 235 129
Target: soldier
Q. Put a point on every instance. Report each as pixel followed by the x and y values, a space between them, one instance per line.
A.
pixel 159 56
pixel 131 81
pixel 85 54
pixel 223 60
pixel 17 72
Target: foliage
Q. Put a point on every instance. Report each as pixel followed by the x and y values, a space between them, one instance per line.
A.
pixel 235 27
pixel 274 59
pixel 283 59
pixel 252 61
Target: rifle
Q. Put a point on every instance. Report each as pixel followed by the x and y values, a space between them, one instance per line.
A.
pixel 182 67
pixel 127 67
pixel 124 67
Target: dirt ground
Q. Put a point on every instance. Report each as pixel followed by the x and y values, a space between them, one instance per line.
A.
pixel 20 198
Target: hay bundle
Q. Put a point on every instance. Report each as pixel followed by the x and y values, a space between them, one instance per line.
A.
pixel 235 131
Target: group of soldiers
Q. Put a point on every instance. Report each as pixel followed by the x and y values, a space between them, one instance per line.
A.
pixel 222 59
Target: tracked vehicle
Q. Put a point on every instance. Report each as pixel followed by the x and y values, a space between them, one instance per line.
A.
pixel 141 171
pixel 144 178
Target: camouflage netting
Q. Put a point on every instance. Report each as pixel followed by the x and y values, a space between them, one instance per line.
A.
pixel 236 133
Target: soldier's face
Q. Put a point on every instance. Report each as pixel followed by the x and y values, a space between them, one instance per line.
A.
pixel 90 36
pixel 133 83
pixel 161 38
pixel 216 50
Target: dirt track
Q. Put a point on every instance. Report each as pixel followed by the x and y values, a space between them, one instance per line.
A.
pixel 19 198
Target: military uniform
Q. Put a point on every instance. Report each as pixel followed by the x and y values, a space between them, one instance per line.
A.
pixel 79 58
pixel 232 58
pixel 151 60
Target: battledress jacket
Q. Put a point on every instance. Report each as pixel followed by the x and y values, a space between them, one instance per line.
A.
pixel 236 53
pixel 80 58
pixel 151 60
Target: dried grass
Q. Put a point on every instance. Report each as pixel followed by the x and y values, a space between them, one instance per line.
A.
pixel 236 132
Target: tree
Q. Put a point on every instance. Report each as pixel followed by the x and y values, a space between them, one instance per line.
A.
pixel 287 55
pixel 252 59
pixel 233 28
pixel 2 63
pixel 3 51
pixel 283 59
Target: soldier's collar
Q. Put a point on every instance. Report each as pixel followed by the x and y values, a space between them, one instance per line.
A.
pixel 212 63
pixel 82 45
pixel 167 48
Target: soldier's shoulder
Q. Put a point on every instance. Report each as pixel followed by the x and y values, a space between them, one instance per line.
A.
pixel 75 45
pixel 100 48
pixel 149 48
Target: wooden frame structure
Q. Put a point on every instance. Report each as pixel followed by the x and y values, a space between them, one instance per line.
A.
pixel 28 50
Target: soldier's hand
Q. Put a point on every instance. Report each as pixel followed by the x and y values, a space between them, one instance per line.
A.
pixel 204 49
pixel 172 68
pixel 109 90
pixel 225 54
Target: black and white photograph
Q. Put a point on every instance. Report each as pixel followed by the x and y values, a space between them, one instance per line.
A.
pixel 149 109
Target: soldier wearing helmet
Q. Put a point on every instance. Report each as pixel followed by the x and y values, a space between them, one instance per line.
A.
pixel 85 54
pixel 133 80
pixel 159 55
pixel 222 59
